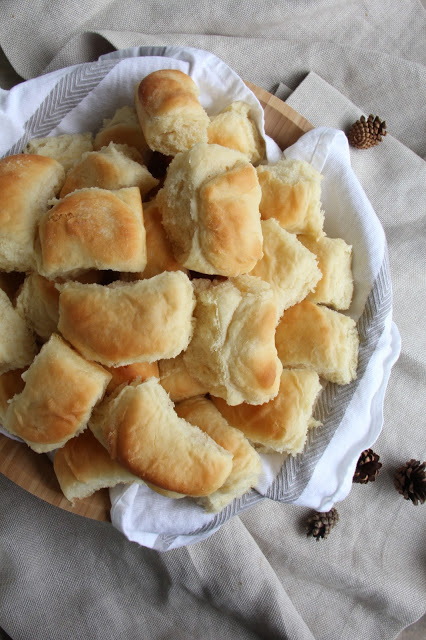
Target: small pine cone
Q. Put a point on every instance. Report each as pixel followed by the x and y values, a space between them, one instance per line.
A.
pixel 320 524
pixel 410 481
pixel 364 134
pixel 367 468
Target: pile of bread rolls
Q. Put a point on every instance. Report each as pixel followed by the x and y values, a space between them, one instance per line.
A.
pixel 170 305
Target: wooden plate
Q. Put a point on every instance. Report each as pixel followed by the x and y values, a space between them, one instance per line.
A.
pixel 33 471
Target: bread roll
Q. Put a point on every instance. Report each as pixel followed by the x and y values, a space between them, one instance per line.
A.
pixel 61 389
pixel 142 432
pixel 210 210
pixel 27 183
pixel 11 383
pixel 17 345
pixel 159 254
pixel 122 128
pixel 124 323
pixel 38 303
pixel 282 423
pixel 315 337
pixel 287 265
pixel 83 466
pixel 170 114
pixel 66 149
pixel 232 351
pixel 246 464
pixel 112 167
pixel 177 380
pixel 92 229
pixel 130 372
pixel 335 288
pixel 291 192
pixel 233 127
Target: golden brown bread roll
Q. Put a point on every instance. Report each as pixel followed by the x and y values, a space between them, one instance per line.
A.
pixel 170 114
pixel 27 183
pixel 17 345
pixel 315 337
pixel 61 389
pixel 112 167
pixel 282 423
pixel 233 127
pixel 122 128
pixel 246 464
pixel 291 193
pixel 210 210
pixel 92 229
pixel 232 351
pixel 66 149
pixel 335 288
pixel 130 372
pixel 124 323
pixel 287 265
pixel 11 383
pixel 159 254
pixel 177 380
pixel 83 466
pixel 142 431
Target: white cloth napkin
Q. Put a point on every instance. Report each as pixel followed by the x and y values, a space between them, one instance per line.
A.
pixel 77 99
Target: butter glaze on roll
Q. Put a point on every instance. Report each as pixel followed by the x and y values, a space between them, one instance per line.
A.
pixel 92 229
pixel 170 114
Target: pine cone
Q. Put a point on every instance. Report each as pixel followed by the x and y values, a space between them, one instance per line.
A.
pixel 364 134
pixel 320 524
pixel 410 481
pixel 367 468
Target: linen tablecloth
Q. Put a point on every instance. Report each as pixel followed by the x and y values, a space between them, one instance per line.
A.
pixel 259 576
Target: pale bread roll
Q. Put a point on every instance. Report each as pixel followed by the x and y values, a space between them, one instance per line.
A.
pixel 122 128
pixel 66 149
pixel 315 337
pixel 177 380
pixel 61 389
pixel 142 431
pixel 210 210
pixel 124 323
pixel 11 383
pixel 291 193
pixel 289 267
pixel 233 127
pixel 246 464
pixel 38 302
pixel 335 289
pixel 83 466
pixel 232 351
pixel 130 372
pixel 112 167
pixel 92 229
pixel 159 254
pixel 17 345
pixel 170 114
pixel 27 183
pixel 281 424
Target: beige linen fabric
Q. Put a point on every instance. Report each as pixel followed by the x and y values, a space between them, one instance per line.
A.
pixel 64 577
